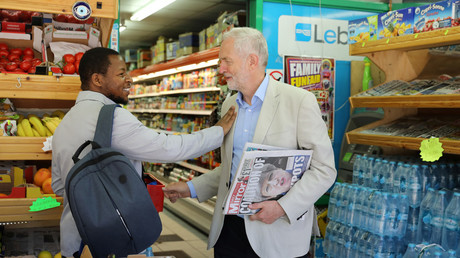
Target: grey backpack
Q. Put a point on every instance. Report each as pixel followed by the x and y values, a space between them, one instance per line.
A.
pixel 109 201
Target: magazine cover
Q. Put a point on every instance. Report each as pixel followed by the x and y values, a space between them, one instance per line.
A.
pixel 265 173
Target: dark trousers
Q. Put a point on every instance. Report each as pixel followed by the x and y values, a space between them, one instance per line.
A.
pixel 233 241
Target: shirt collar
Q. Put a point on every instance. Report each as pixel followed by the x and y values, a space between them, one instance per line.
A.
pixel 260 93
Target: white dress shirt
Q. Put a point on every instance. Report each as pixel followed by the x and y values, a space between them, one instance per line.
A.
pixel 129 136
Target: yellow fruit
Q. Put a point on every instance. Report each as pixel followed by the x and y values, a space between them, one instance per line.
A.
pixel 27 128
pixel 20 130
pixel 49 124
pixel 58 113
pixel 46 115
pixel 48 132
pixel 45 254
pixel 31 115
pixel 37 125
pixel 58 255
pixel 36 134
pixel 20 118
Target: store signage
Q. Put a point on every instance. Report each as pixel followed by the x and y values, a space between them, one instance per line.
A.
pixel 313 37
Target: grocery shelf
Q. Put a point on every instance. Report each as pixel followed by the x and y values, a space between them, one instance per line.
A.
pixel 423 40
pixel 415 101
pixel 107 9
pixel 193 167
pixel 191 59
pixel 449 146
pixel 16 210
pixel 28 86
pixel 23 148
pixel 172 92
pixel 174 111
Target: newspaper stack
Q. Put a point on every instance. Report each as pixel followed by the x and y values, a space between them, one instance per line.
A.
pixel 265 173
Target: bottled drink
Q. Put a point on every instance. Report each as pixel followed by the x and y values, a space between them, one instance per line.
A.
pixel 375 173
pixel 392 214
pixel 367 77
pixel 412 225
pixel 410 252
pixel 332 207
pixel 451 176
pixel 339 203
pixel 381 207
pixel 434 181
pixel 356 169
pixel 361 208
pixel 451 228
pixel 443 176
pixel 425 173
pixel 389 174
pixel 368 172
pixel 396 178
pixel 352 212
pixel 362 170
pixel 424 221
pixel 383 247
pixel 362 243
pixel 437 216
pixel 343 214
pixel 381 173
pixel 348 242
pixel 373 208
pixel 414 189
pixel 403 214
pixel 403 179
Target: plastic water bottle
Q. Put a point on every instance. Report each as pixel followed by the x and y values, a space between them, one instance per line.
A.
pixel 339 203
pixel 362 170
pixel 375 173
pixel 425 172
pixel 382 205
pixel 437 216
pixel 357 205
pixel 391 216
pixel 403 179
pixel 414 189
pixel 356 169
pixel 434 180
pixel 348 242
pixel 332 207
pixel 412 225
pixel 443 176
pixel 383 247
pixel 368 172
pixel 451 228
pixel 410 251
pixel 373 207
pixel 403 214
pixel 343 214
pixel 381 172
pixel 424 221
pixel 396 178
pixel 389 174
pixel 362 243
pixel 352 212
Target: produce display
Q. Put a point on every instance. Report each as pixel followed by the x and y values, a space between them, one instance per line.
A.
pixel 20 60
pixel 34 126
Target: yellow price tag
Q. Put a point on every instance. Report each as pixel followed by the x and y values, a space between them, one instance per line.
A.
pixel 431 150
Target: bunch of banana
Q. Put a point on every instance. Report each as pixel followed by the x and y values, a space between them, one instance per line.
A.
pixel 51 123
pixel 58 113
pixel 31 127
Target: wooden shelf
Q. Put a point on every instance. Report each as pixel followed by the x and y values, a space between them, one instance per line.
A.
pixel 23 148
pixel 416 101
pixel 194 58
pixel 449 146
pixel 436 38
pixel 194 167
pixel 174 111
pixel 15 210
pixel 173 92
pixel 28 86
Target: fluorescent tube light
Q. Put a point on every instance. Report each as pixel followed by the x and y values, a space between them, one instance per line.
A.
pixel 150 9
pixel 122 28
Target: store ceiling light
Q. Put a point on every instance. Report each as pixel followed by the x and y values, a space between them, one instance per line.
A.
pixel 150 9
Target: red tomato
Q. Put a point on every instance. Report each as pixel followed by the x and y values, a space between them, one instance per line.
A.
pixel 69 58
pixel 69 68
pixel 28 57
pixel 13 56
pixel 4 53
pixel 3 46
pixel 11 66
pixel 25 65
pixel 60 18
pixel 90 20
pixel 16 51
pixel 28 51
pixel 56 70
pixel 77 67
pixel 36 61
pixel 78 56
pixel 3 61
pixel 31 70
pixel 72 19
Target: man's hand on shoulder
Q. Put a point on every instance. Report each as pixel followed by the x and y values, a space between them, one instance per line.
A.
pixel 268 213
pixel 227 120
pixel 176 190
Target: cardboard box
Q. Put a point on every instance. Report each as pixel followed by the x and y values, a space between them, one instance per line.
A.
pixel 396 23
pixel 144 58
pixel 455 13
pixel 202 40
pixel 154 187
pixel 363 29
pixel 433 16
pixel 171 50
pixel 130 55
pixel 189 39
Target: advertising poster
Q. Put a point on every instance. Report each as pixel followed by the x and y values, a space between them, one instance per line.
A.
pixel 317 76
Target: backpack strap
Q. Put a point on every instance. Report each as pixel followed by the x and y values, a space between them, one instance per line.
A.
pixel 103 134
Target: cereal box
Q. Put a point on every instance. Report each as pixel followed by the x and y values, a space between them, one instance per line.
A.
pixel 455 13
pixel 396 23
pixel 433 16
pixel 363 29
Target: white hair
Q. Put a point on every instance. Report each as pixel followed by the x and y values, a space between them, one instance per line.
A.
pixel 249 41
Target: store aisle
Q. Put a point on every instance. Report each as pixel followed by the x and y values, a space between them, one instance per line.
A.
pixel 179 239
